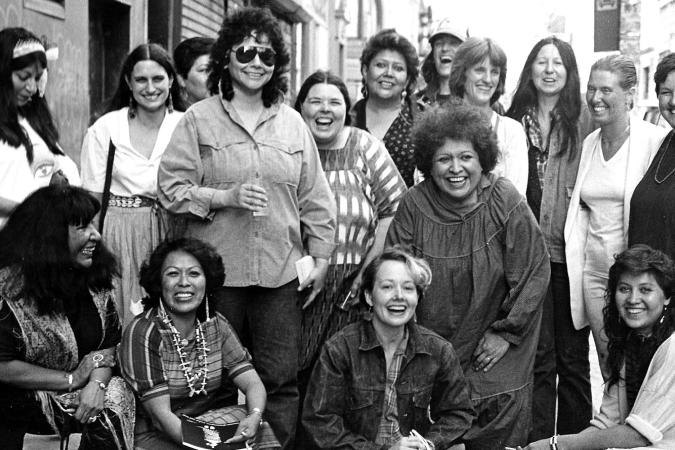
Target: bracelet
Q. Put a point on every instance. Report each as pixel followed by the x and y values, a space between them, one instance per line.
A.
pixel 69 377
pixel 256 411
pixel 100 384
pixel 553 442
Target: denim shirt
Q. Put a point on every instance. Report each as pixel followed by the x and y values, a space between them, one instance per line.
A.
pixel 345 397
pixel 211 150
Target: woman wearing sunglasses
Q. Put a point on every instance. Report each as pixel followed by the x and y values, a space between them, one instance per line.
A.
pixel 243 170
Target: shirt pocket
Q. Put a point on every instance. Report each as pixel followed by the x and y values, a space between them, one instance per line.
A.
pixel 281 162
pixel 225 164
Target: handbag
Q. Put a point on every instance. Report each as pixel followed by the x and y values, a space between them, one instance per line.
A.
pixel 105 198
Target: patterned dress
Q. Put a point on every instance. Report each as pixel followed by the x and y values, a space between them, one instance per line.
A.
pixel 367 188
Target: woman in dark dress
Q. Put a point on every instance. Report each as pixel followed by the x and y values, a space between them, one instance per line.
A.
pixel 652 207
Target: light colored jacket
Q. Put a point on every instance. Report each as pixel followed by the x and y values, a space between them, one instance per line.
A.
pixel 643 143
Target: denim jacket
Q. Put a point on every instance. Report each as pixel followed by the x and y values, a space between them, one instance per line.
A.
pixel 345 398
pixel 210 150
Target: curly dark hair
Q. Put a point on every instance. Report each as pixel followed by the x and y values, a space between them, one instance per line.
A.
pixel 324 76
pixel 637 259
pixel 36 111
pixel 419 269
pixel 36 240
pixel 460 123
pixel 144 52
pixel 205 254
pixel 473 51
pixel 389 39
pixel 569 103
pixel 236 27
pixel 663 69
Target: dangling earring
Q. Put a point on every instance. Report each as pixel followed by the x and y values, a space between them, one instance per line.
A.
pixel 206 299
pixel 132 107
pixel 169 103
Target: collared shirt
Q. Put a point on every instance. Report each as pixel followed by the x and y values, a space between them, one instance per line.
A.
pixel 389 431
pixel 345 398
pixel 211 150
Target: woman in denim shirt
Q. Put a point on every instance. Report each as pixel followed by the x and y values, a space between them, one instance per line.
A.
pixel 243 170
pixel 387 383
pixel 490 268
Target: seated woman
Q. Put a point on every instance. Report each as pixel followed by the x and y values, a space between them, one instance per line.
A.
pixel 386 382
pixel 638 406
pixel 169 353
pixel 59 326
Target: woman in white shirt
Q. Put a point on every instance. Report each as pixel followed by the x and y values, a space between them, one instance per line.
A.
pixel 139 121
pixel 29 151
pixel 477 77
pixel 638 405
pixel 613 160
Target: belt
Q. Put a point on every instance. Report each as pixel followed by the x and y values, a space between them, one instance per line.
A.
pixel 137 201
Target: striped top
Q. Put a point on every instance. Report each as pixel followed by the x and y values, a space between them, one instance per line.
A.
pixel 367 187
pixel 151 365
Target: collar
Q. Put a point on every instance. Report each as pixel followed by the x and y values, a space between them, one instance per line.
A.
pixel 369 341
pixel 266 114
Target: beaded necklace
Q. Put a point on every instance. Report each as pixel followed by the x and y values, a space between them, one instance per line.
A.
pixel 192 377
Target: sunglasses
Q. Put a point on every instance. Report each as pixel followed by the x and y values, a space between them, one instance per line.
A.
pixel 246 53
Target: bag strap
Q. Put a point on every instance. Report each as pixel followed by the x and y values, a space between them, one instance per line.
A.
pixel 106 185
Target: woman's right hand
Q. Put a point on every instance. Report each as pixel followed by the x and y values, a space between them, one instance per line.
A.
pixel 90 362
pixel 251 197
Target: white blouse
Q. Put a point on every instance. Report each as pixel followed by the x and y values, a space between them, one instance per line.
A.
pixel 512 162
pixel 133 173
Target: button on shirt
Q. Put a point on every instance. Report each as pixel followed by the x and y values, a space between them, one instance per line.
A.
pixel 211 150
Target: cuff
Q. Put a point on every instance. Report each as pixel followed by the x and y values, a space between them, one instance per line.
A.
pixel 511 338
pixel 200 205
pixel 320 249
pixel 645 428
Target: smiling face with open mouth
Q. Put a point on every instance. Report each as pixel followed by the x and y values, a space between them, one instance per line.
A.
pixel 394 295
pixel 82 242
pixel 456 171
pixel 640 301
pixel 481 82
pixel 183 283
pixel 149 84
pixel 444 48
pixel 387 75
pixel 252 76
pixel 607 101
pixel 548 71
pixel 324 111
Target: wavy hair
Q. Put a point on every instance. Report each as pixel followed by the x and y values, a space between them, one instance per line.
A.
pixel 36 111
pixel 36 240
pixel 460 123
pixel 208 258
pixel 389 39
pixel 418 267
pixel 236 27
pixel 473 51
pixel 328 77
pixel 568 107
pixel 145 52
pixel 637 259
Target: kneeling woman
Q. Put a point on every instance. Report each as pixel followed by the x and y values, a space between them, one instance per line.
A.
pixel 387 381
pixel 59 326
pixel 176 353
pixel 638 406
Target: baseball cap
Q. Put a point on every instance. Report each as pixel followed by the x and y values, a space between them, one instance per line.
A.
pixel 444 26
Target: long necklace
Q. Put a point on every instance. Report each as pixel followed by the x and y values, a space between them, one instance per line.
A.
pixel 192 377
pixel 658 166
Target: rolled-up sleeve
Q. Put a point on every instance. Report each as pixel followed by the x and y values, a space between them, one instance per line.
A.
pixel 527 270
pixel 181 173
pixel 316 202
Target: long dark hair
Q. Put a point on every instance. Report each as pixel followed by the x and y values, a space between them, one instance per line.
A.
pixel 237 26
pixel 36 111
pixel 568 107
pixel 205 254
pixel 637 259
pixel 35 239
pixel 144 52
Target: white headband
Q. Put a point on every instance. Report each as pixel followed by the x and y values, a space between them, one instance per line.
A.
pixel 23 48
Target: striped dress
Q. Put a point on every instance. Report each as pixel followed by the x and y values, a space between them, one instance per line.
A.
pixel 367 187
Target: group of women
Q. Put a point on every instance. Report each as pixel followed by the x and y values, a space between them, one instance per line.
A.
pixel 430 314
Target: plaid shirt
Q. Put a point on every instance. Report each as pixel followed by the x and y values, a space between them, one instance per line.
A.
pixel 388 431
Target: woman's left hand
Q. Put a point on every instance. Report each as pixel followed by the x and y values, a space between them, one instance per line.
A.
pixel 490 349
pixel 315 279
pixel 247 429
pixel 91 403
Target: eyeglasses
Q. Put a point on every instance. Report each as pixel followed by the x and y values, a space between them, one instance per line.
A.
pixel 246 53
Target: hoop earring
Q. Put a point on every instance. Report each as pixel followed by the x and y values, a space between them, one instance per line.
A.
pixel 169 103
pixel 132 107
